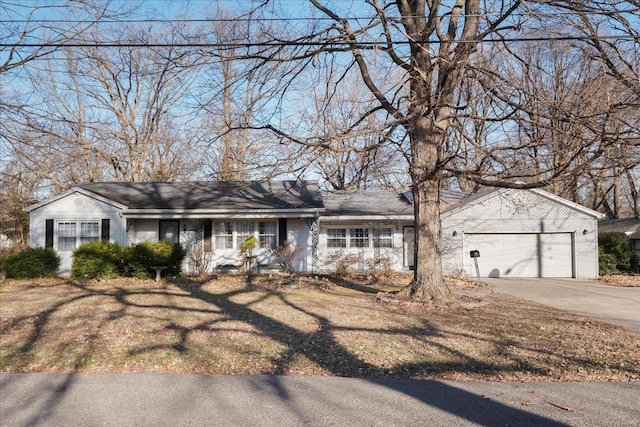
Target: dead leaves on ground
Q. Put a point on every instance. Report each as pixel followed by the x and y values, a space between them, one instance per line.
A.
pixel 301 326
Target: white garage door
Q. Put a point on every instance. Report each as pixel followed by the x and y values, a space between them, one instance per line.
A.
pixel 520 255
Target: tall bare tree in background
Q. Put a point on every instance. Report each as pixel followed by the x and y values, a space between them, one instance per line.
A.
pixel 618 57
pixel 114 109
pixel 25 39
pixel 233 94
pixel 367 156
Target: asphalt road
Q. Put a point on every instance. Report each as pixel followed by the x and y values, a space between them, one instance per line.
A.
pixel 190 400
pixel 616 305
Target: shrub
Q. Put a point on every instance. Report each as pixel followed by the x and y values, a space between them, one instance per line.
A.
pixel 607 263
pixel 343 263
pixel 200 261
pixel 141 259
pixel 98 260
pixel 248 246
pixel 286 255
pixel 31 263
pixel 634 262
pixel 379 267
pixel 616 255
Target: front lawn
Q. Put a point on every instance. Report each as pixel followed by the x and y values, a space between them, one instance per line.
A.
pixel 301 326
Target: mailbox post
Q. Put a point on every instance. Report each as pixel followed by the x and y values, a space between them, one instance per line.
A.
pixel 475 254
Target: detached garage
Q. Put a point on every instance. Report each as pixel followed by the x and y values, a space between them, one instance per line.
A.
pixel 520 233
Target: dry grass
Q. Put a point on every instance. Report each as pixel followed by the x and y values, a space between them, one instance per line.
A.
pixel 623 280
pixel 300 326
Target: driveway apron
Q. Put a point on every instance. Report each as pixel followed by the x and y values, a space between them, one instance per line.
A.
pixel 616 305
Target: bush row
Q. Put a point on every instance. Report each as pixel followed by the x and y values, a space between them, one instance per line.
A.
pixel 106 260
pixel 98 260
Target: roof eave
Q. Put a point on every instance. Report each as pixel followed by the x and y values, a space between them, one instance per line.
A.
pixel 71 191
pixel 367 217
pixel 221 213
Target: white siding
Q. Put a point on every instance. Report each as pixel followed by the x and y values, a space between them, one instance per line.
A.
pixel 519 212
pixel 363 255
pixel 74 207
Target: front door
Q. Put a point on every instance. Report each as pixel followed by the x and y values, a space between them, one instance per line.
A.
pixel 408 246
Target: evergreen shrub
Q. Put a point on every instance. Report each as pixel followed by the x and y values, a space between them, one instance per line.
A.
pixel 143 257
pixel 100 259
pixel 616 255
pixel 31 263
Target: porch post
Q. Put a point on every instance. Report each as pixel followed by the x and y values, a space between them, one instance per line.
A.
pixel 314 229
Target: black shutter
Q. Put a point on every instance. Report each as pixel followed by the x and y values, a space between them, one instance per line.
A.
pixel 105 229
pixel 208 231
pixel 48 233
pixel 282 231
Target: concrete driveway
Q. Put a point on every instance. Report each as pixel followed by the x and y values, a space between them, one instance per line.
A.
pixel 611 304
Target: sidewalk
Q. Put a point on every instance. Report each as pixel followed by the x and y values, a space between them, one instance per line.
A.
pixel 186 400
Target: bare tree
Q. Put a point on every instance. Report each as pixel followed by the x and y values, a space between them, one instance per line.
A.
pixel 430 45
pixel 119 109
pixel 447 88
pixel 233 95
pixel 31 31
pixel 367 156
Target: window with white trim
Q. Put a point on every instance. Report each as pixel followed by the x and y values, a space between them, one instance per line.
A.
pixel 231 234
pixel 336 237
pixel 383 238
pixel 72 234
pixel 267 234
pixel 89 232
pixel 358 237
pixel 224 235
pixel 244 229
pixel 66 236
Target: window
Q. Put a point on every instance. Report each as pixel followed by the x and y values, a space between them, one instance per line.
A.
pixel 89 232
pixel 170 231
pixel 66 236
pixel 72 234
pixel 267 234
pixel 224 235
pixel 384 238
pixel 244 229
pixel 336 238
pixel 359 238
pixel 230 235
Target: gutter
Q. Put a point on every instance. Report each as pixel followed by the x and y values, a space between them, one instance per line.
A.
pixel 220 213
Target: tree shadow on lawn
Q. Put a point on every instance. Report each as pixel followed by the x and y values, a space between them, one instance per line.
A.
pixel 319 346
pixel 370 286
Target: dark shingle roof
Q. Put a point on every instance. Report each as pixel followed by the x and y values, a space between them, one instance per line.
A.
pixel 366 202
pixel 381 202
pixel 211 194
pixel 628 226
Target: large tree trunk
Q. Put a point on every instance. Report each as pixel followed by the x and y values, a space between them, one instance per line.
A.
pixel 426 140
pixel 427 276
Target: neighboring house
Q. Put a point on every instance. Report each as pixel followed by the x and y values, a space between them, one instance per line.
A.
pixel 526 233
pixel 628 227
